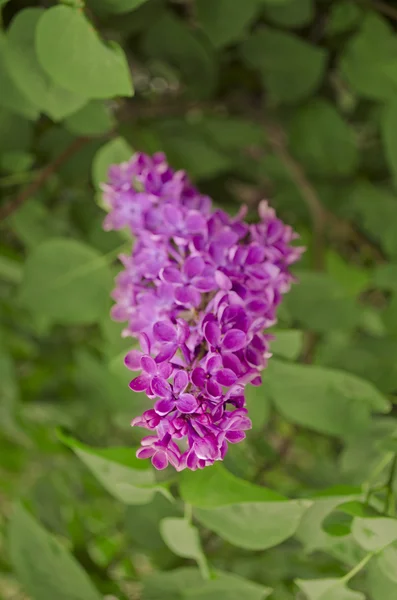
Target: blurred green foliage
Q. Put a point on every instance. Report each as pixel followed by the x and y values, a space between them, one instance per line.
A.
pixel 291 100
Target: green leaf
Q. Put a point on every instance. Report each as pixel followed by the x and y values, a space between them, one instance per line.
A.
pixel 80 61
pixel 374 533
pixel 326 400
pixel 142 522
pixel 11 96
pixel 287 343
pixel 114 152
pixel 290 13
pixel 130 480
pixel 187 584
pixel 226 22
pixel 365 57
pixel 245 515
pixel 66 282
pixel 387 561
pixel 116 6
pixel 170 41
pixel 228 586
pixel 291 68
pixel 183 539
pixel 343 17
pixel 327 589
pixel 27 72
pixel 381 585
pixel 322 141
pixel 320 303
pixel 310 531
pixel 375 208
pixel 32 223
pixel 354 279
pixel 56 574
pixel 93 119
pixel 10 270
pixel 388 125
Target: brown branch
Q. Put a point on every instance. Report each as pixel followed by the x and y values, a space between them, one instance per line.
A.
pixel 9 208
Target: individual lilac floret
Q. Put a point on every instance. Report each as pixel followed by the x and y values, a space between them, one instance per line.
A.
pixel 198 292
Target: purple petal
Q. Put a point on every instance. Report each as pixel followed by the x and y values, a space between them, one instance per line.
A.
pixel 235 339
pixel 161 387
pixel 223 281
pixel 166 353
pixel 145 343
pixel 163 407
pixel 181 380
pixel 165 370
pixel 145 452
pixel 214 362
pixel 256 254
pixel 199 377
pixel 226 377
pixel 193 266
pixel 187 295
pixel 195 222
pixel 133 360
pixel 206 448
pixel 212 333
pixel 205 284
pixel 171 275
pixel 235 436
pixel 160 460
pixel 214 389
pixel 140 383
pixel 164 331
pixel 187 403
pixel 148 365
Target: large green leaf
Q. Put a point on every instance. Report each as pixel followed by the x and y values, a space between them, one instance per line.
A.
pixel 130 480
pixel 291 68
pixel 364 60
pixel 43 566
pixel 183 539
pixel 311 532
pixel 95 118
pixel 326 400
pixel 322 141
pixel 11 97
pixel 66 281
pixel 245 515
pixel 375 208
pixel 79 61
pixel 187 584
pixel 226 22
pixel 328 589
pixel 320 303
pixel 29 75
pixel 381 584
pixel 374 533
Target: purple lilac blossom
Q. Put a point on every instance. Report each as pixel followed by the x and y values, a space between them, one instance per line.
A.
pixel 197 292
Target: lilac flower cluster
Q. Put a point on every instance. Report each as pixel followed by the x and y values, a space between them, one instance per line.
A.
pixel 198 291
